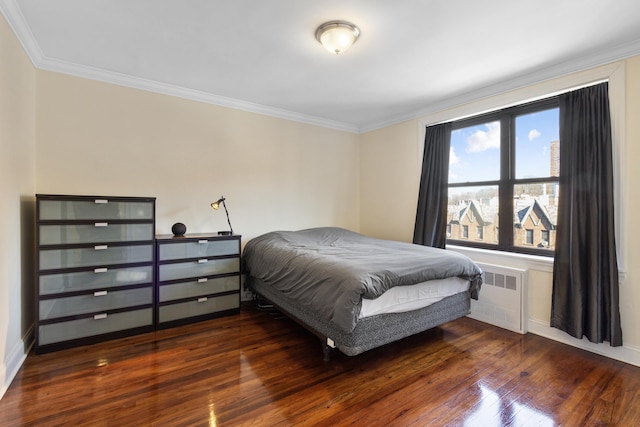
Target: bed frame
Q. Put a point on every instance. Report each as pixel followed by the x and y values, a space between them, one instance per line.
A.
pixel 370 332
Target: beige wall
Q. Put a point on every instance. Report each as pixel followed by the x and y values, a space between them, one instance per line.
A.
pixel 630 289
pixel 388 165
pixel 390 177
pixel 100 139
pixel 17 187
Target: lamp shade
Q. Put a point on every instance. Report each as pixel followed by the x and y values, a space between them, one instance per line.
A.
pixel 216 205
pixel 337 36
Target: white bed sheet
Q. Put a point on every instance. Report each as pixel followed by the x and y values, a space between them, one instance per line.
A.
pixel 400 299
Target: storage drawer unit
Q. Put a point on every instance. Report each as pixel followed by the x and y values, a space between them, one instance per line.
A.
pixel 95 269
pixel 198 278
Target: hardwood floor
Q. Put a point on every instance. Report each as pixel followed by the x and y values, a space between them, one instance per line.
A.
pixel 258 369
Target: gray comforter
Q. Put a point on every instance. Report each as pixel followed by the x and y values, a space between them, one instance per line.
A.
pixel 329 270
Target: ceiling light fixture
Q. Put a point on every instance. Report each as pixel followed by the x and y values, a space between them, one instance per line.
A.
pixel 337 36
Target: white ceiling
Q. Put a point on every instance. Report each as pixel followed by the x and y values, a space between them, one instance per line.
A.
pixel 413 56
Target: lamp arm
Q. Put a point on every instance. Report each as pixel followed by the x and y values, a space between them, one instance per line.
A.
pixel 227 212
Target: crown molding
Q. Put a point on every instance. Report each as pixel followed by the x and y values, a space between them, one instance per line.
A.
pixel 14 17
pixel 18 24
pixel 120 79
pixel 582 63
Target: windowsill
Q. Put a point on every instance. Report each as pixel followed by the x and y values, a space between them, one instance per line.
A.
pixel 509 259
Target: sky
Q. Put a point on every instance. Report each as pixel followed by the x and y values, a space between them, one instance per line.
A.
pixel 475 151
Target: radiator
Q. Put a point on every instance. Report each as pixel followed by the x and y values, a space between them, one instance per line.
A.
pixel 502 298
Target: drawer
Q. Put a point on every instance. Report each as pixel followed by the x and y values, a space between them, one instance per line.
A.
pixel 99 255
pixel 94 303
pixel 98 232
pixel 99 278
pixel 202 286
pixel 202 306
pixel 200 268
pixel 198 248
pixel 94 209
pixel 82 328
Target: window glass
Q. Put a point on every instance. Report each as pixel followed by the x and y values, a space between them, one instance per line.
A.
pixel 474 155
pixel 476 207
pixel 537 144
pixel 529 237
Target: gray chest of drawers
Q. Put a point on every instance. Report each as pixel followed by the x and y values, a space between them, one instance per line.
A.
pixel 95 269
pixel 198 278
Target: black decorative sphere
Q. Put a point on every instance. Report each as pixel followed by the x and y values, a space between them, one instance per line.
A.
pixel 178 229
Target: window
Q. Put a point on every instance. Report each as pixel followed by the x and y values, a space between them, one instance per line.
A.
pixel 503 174
pixel 544 238
pixel 529 238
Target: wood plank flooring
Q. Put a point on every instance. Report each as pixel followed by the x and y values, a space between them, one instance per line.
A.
pixel 263 370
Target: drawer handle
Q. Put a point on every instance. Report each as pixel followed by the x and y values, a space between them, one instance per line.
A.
pixel 202 261
pixel 100 270
pixel 101 224
pixel 99 293
pixel 100 316
pixel 202 242
pixel 101 201
pixel 100 247
pixel 203 299
pixel 202 280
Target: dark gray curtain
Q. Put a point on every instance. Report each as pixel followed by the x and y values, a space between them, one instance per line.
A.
pixel 585 300
pixel 431 215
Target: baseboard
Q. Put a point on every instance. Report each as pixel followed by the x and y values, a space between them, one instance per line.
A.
pixel 626 354
pixel 15 359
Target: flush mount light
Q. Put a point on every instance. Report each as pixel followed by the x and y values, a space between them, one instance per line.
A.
pixel 337 36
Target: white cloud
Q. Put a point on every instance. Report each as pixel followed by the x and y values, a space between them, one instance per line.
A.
pixel 453 158
pixel 484 140
pixel 533 134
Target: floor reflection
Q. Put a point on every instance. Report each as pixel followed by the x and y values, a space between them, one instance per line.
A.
pixel 493 411
pixel 213 422
pixel 525 415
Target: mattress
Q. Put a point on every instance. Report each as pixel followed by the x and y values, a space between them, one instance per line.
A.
pixel 401 299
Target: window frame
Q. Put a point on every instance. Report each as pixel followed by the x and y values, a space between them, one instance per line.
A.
pixel 507 181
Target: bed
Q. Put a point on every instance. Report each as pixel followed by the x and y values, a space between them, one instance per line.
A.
pixel 356 292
